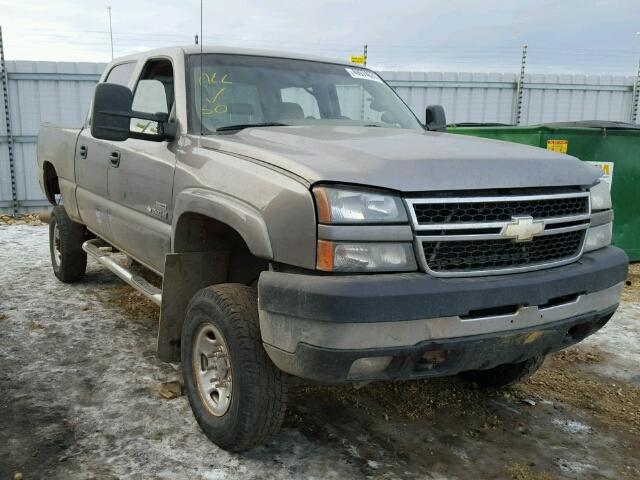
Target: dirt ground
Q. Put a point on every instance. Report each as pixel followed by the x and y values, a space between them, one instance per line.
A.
pixel 83 397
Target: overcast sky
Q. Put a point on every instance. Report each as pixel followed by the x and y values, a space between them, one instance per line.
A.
pixel 564 36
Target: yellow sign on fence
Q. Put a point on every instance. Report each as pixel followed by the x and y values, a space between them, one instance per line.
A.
pixel 560 146
pixel 359 59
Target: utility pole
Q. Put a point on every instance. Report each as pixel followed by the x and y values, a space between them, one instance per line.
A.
pixel 110 32
pixel 7 119
pixel 520 88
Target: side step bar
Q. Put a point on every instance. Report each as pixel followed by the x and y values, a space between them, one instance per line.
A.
pixel 93 248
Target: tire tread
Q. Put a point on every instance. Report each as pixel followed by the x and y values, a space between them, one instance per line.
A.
pixel 264 405
pixel 73 262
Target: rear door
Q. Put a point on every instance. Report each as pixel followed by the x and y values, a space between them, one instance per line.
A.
pixel 92 165
pixel 140 173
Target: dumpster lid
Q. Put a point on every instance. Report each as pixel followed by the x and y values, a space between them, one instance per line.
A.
pixel 594 124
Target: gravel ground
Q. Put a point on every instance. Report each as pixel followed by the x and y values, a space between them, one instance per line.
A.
pixel 82 397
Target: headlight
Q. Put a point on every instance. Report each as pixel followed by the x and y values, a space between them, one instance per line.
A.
pixel 598 237
pixel 600 196
pixel 365 257
pixel 339 205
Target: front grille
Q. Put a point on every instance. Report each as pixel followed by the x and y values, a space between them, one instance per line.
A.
pixel 479 255
pixel 492 211
pixel 496 234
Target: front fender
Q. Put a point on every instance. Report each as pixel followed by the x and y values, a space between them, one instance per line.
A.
pixel 239 215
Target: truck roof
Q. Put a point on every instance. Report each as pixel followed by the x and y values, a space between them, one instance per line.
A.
pixel 195 49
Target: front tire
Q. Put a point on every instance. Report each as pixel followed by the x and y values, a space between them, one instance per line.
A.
pixel 68 259
pixel 504 375
pixel 236 393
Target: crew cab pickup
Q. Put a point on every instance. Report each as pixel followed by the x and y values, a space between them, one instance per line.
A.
pixel 306 224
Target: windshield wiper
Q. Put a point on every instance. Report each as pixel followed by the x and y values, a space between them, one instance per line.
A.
pixel 241 126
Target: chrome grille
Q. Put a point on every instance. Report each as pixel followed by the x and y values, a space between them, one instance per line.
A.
pixel 468 236
pixel 493 254
pixel 489 211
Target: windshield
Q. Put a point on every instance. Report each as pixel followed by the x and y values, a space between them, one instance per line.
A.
pixel 246 90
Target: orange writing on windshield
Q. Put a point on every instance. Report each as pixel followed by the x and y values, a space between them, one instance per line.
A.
pixel 215 106
pixel 212 78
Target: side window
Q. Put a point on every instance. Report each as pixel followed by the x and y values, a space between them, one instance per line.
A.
pixel 153 94
pixel 121 74
pixel 150 97
pixel 299 103
pixel 154 91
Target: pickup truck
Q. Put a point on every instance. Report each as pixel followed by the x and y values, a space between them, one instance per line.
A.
pixel 306 224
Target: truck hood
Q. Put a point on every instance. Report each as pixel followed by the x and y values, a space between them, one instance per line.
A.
pixel 403 160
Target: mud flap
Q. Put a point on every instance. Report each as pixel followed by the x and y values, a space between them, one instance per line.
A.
pixel 184 275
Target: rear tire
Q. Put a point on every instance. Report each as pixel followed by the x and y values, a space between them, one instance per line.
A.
pixel 504 375
pixel 68 259
pixel 237 394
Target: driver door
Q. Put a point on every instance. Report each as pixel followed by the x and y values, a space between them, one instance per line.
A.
pixel 140 175
pixel 92 165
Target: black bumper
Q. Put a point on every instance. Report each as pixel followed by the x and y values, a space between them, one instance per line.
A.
pixel 329 301
pixel 442 357
pixel 409 296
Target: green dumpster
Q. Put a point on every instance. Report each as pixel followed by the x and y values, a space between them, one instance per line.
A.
pixel 612 146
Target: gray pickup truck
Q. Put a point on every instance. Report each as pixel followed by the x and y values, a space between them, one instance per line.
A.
pixel 306 224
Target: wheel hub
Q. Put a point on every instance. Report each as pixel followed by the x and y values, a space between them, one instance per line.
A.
pixel 212 369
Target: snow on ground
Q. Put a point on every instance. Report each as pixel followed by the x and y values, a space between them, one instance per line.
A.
pixel 621 342
pixel 79 382
pixel 79 378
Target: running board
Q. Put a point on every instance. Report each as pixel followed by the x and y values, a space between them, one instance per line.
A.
pixel 136 281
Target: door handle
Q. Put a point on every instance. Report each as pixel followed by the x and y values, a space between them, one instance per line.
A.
pixel 114 159
pixel 83 151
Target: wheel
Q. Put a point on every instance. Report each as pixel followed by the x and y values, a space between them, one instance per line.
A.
pixel 504 375
pixel 65 244
pixel 236 393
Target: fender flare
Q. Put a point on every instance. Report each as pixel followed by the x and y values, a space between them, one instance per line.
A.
pixel 239 215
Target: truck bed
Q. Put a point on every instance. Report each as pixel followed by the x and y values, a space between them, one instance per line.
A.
pixel 57 145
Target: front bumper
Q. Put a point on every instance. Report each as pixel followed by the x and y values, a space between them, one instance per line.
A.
pixel 316 327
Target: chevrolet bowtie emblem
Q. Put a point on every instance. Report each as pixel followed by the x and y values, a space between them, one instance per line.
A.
pixel 522 229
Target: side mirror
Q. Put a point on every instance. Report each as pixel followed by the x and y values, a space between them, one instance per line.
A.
pixel 435 119
pixel 113 118
pixel 111 112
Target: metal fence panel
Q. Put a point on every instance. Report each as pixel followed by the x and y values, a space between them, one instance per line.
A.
pixel 56 92
pixel 60 92
pixel 555 98
pixel 489 97
pixel 466 97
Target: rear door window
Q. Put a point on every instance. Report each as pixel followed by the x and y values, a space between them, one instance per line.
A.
pixel 121 74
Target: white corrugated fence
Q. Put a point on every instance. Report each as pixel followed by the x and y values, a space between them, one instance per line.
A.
pixel 60 92
pixel 38 92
